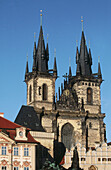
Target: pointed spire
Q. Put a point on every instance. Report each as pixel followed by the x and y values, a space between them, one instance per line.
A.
pixel 55 65
pixel 47 49
pixel 77 55
pixel 34 55
pixel 70 72
pixel 90 57
pixel 27 68
pixel 42 63
pixel 99 68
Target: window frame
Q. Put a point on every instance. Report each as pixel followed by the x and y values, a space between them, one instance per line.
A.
pixel 16 151
pixel 89 95
pixel 26 168
pixel 4 150
pixel 44 92
pixel 26 151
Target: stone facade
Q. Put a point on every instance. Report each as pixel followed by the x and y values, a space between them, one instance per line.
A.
pixel 74 114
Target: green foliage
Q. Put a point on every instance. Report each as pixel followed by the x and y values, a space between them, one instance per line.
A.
pixel 50 166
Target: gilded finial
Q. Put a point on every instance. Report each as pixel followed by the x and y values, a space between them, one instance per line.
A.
pixel 41 17
pixel 82 22
pixel 55 52
pixel 34 37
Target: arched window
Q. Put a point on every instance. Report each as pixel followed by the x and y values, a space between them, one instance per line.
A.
pixel 44 92
pixel 67 135
pixel 30 93
pixel 89 95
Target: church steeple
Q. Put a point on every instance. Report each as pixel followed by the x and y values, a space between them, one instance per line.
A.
pixel 84 59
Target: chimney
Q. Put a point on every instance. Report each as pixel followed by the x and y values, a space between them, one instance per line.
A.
pixel 1 114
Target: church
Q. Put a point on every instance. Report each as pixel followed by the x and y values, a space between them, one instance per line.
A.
pixel 73 116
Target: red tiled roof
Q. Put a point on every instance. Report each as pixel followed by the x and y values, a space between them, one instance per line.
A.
pixel 10 128
pixel 7 124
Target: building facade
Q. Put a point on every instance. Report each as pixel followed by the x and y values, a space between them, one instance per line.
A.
pixel 17 147
pixel 74 114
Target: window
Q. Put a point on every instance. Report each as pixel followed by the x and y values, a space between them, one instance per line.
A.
pixel 3 150
pixel 16 168
pixel 90 125
pixel 109 159
pixel 99 159
pixel 39 90
pixel 26 168
pixel 4 168
pixel 26 151
pixel 89 95
pixel 16 151
pixel 104 159
pixel 44 92
pixel 30 93
pixel 83 159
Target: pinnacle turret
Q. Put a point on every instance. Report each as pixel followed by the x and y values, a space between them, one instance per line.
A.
pixel 99 70
pixel 34 57
pixel 27 68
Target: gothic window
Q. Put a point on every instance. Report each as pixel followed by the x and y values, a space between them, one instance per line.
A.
pixel 30 93
pixel 67 135
pixel 44 92
pixel 89 95
pixel 39 90
pixel 90 125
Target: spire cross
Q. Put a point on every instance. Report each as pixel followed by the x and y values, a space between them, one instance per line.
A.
pixel 65 76
pixel 41 17
pixel 82 22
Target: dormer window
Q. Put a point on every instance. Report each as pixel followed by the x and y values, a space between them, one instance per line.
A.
pixel 44 92
pixel 89 96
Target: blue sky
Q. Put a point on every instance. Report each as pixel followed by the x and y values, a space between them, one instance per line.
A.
pixel 19 19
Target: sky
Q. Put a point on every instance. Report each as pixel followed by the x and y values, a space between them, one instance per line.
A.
pixel 19 19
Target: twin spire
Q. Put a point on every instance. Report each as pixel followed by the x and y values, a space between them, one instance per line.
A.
pixel 40 55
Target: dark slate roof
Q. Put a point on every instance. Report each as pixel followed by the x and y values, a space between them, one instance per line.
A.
pixel 27 117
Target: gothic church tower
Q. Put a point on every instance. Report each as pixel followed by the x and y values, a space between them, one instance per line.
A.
pixel 41 81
